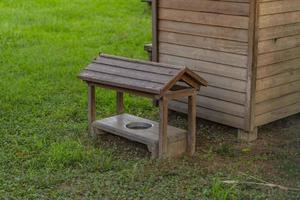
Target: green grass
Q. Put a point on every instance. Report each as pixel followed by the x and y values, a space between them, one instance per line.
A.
pixel 45 152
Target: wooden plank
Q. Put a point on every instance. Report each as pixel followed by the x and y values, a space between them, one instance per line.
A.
pixel 277 103
pixel 141 62
pixel 279 44
pixel 204 30
pixel 220 7
pixel 125 90
pixel 117 125
pixel 277 114
pixel 155 30
pixel 203 54
pixel 278 56
pixel 179 93
pixel 275 32
pixel 155 69
pixel 206 67
pixel 211 115
pixel 222 94
pixel 91 107
pixel 252 66
pixel 279 19
pixel 276 92
pixel 278 79
pixel 163 124
pixel 191 135
pixel 274 7
pixel 120 102
pixel 218 105
pixel 278 68
pixel 204 42
pixel 129 73
pixel 225 95
pixel 224 83
pixel 204 18
pixel 117 81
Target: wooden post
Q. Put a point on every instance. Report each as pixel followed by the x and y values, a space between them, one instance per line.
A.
pixel 247 136
pixel 120 102
pixel 191 136
pixel 163 127
pixel 91 107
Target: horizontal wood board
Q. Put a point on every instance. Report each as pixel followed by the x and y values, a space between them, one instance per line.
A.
pixel 211 38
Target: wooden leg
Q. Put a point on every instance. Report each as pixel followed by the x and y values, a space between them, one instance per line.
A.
pixel 91 107
pixel 163 127
pixel 120 102
pixel 247 136
pixel 191 136
pixel 153 150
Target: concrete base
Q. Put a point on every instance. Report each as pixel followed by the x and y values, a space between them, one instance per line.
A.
pixel 247 136
pixel 116 125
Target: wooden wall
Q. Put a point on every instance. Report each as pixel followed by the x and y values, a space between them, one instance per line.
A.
pixel 278 61
pixel 211 37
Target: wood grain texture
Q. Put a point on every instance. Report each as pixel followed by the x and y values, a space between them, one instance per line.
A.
pixel 135 75
pixel 277 114
pixel 163 123
pixel 204 54
pixel 91 107
pixel 277 92
pixel 278 73
pixel 206 18
pixel 208 114
pixel 211 38
pixel 221 7
pixel 278 44
pixel 191 134
pixel 204 42
pixel 117 125
pixel 232 34
pixel 276 32
pixel 120 102
pixel 275 7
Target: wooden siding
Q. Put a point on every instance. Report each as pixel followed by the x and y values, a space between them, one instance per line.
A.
pixel 210 37
pixel 278 60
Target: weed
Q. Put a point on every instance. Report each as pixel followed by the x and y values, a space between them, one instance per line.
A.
pixel 221 192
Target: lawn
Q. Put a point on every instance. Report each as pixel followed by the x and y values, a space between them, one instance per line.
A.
pixel 45 150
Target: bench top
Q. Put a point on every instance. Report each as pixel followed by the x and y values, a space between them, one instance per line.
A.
pixel 136 75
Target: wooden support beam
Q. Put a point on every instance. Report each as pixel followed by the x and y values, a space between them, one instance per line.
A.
pixel 91 107
pixel 191 136
pixel 180 93
pixel 247 136
pixel 163 127
pixel 120 102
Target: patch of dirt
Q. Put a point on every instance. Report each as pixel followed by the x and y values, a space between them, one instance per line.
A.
pixel 278 144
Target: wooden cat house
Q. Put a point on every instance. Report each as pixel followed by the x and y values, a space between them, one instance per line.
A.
pixel 248 51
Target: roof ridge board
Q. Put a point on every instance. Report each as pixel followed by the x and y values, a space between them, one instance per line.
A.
pixel 156 64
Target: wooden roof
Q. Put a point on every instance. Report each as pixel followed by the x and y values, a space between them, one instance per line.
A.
pixel 142 76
